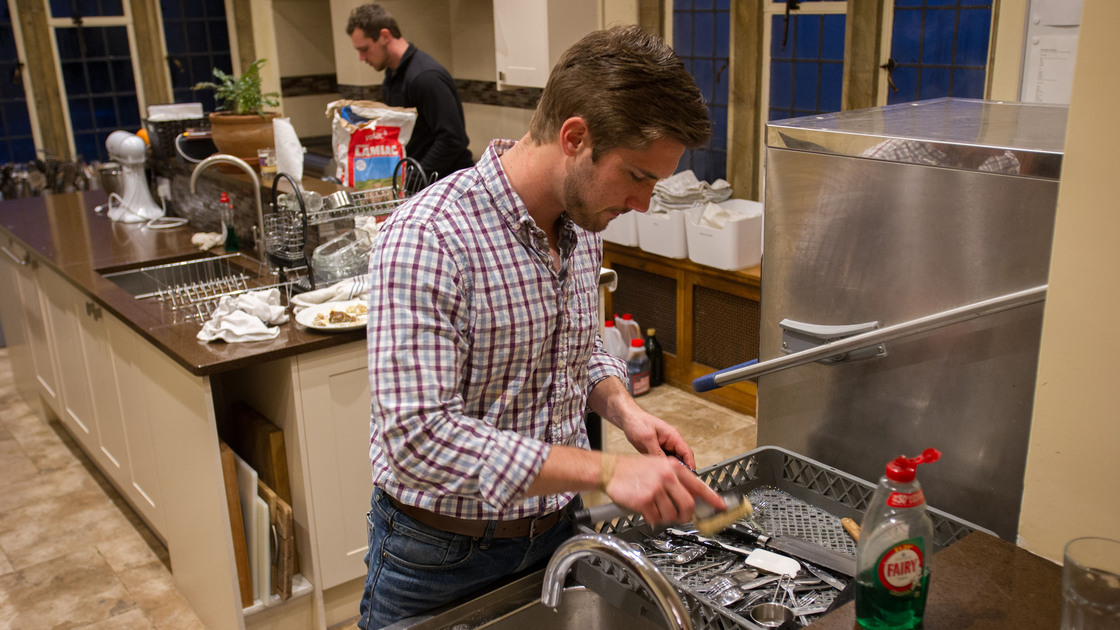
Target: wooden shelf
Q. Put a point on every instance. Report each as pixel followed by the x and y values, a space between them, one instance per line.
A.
pixel 707 318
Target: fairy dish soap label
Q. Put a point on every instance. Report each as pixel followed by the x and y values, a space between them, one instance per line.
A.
pixel 893 574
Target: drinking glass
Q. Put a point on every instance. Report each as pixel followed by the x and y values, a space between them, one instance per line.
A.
pixel 1091 584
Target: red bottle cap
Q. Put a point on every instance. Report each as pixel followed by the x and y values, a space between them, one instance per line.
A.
pixel 637 343
pixel 903 468
pixel 627 316
pixel 224 198
pixel 609 323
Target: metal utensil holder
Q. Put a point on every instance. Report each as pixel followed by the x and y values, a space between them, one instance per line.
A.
pixel 285 237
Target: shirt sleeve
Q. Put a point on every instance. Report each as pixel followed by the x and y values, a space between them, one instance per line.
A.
pixel 436 104
pixel 418 351
pixel 604 364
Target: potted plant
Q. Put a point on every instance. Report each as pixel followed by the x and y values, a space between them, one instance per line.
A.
pixel 240 126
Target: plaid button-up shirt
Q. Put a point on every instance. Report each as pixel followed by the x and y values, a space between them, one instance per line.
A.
pixel 481 354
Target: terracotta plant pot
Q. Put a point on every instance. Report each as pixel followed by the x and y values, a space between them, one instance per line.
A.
pixel 242 135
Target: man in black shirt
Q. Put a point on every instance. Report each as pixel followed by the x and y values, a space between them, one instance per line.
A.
pixel 413 79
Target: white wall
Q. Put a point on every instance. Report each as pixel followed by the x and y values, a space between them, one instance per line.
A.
pixel 1072 471
pixel 304 46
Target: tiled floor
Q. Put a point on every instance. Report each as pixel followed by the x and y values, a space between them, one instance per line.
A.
pixel 73 554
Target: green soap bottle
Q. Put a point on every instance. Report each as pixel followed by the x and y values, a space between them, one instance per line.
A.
pixel 226 212
pixel 895 544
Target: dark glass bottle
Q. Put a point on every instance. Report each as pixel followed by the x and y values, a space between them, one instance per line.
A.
pixel 656 360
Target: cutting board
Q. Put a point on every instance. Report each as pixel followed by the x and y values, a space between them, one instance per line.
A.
pixel 283 541
pixel 247 493
pixel 260 443
pixel 237 525
pixel 263 587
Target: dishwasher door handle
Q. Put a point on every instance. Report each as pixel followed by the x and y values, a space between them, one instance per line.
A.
pixel 752 369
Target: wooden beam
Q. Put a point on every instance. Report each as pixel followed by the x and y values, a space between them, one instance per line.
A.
pixel 44 79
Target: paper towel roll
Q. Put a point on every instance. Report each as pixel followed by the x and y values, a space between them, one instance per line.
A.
pixel 289 151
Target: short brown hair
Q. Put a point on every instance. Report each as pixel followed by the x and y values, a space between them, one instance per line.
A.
pixel 630 88
pixel 371 18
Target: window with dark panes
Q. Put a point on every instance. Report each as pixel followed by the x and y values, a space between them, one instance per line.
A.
pixel 16 141
pixel 806 62
pixel 702 39
pixel 197 38
pixel 939 48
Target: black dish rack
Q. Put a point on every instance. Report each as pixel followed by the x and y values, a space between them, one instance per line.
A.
pixel 162 134
pixel 797 495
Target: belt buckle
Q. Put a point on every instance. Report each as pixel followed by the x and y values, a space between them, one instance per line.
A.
pixel 533 533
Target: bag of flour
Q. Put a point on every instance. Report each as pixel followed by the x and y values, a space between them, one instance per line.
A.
pixel 368 139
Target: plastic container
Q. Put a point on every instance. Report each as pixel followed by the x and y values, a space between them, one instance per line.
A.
pixel 628 327
pixel 895 545
pixel 612 341
pixel 622 230
pixel 662 232
pixel 737 245
pixel 637 366
pixel 656 358
pixel 342 257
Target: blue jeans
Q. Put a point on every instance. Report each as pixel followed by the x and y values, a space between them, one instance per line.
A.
pixel 414 568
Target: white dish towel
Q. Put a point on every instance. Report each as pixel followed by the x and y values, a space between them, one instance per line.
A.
pixel 348 289
pixel 252 316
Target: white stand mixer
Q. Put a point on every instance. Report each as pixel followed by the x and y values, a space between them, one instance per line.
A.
pixel 135 205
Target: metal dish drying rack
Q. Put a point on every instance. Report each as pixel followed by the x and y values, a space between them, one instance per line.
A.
pixel 286 230
pixel 794 496
pixel 191 290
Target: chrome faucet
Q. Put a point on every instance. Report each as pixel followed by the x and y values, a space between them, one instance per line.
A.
pixel 611 548
pixel 225 158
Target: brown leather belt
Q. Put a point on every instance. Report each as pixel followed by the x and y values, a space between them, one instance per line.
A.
pixel 529 526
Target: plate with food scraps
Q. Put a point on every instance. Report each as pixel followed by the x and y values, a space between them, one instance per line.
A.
pixel 334 316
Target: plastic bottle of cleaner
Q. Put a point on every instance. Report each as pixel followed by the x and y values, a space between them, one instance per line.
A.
pixel 656 359
pixel 612 341
pixel 628 327
pixel 638 368
pixel 892 560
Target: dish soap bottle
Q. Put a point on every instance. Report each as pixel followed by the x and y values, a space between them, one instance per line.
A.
pixel 896 540
pixel 225 210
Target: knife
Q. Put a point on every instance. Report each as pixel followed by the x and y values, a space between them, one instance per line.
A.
pixel 796 547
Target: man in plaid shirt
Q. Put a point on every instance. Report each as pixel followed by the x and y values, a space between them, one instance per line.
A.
pixel 483 337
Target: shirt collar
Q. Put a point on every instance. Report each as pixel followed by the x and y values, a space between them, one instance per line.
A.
pixel 405 59
pixel 509 204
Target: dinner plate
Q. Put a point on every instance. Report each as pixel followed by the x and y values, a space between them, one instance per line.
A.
pixel 306 317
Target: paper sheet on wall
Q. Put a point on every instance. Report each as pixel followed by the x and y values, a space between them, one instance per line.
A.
pixel 1050 64
pixel 1057 12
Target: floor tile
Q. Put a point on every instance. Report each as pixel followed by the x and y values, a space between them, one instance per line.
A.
pixel 65 592
pixel 15 465
pixel 154 590
pixel 132 620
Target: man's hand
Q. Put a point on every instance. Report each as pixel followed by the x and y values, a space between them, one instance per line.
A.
pixel 653 436
pixel 660 488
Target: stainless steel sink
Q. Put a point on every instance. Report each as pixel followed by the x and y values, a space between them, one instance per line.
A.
pixel 230 270
pixel 517 606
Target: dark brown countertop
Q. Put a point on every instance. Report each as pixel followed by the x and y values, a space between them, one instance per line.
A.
pixel 981 582
pixel 64 233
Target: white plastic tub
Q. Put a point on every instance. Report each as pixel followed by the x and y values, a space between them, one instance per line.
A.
pixel 663 233
pixel 737 245
pixel 623 230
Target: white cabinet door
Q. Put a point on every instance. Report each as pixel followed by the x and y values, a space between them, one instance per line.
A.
pixel 521 42
pixel 40 344
pixel 141 480
pixel 14 320
pixel 65 305
pixel 334 406
pixel 530 36
pixel 112 449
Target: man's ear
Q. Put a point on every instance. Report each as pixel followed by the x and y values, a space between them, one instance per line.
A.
pixel 384 36
pixel 574 136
